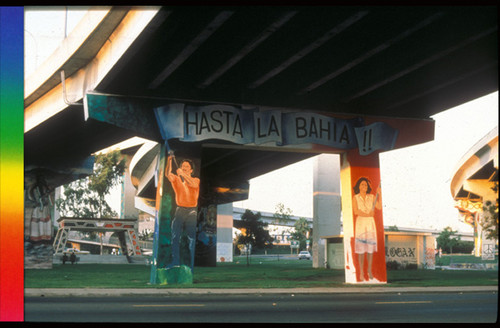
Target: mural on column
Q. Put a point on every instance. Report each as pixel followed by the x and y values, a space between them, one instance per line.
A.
pixel 187 189
pixel 365 204
pixel 177 216
pixel 206 239
pixel 364 244
pixel 38 227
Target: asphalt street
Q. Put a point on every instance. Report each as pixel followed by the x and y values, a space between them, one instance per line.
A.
pixel 372 304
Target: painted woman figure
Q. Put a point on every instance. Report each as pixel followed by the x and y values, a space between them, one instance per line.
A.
pixel 365 231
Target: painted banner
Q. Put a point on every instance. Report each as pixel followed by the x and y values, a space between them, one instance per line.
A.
pixel 378 135
pixel 245 126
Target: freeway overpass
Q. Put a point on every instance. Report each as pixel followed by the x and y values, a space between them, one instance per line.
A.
pixel 331 76
pixel 404 62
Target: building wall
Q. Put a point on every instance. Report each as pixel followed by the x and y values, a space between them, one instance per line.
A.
pixel 410 249
pixel 403 248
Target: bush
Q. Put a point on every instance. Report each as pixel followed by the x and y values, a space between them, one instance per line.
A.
pixel 464 247
pixel 392 265
pixel 276 249
pixel 412 266
pixel 395 265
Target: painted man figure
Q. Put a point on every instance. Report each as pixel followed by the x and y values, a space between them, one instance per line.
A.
pixel 187 189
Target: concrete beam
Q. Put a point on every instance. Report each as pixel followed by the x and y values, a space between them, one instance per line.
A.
pixel 484 151
pixel 88 76
pixel 77 49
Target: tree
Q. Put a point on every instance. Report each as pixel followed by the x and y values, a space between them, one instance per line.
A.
pixel 255 234
pixel 445 240
pixel 146 234
pixel 489 222
pixel 86 197
pixel 393 228
pixel 282 214
pixel 301 229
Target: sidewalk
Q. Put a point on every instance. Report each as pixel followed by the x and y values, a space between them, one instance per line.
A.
pixel 48 292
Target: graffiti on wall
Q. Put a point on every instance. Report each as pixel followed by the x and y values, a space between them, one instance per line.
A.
pixel 430 258
pixel 401 252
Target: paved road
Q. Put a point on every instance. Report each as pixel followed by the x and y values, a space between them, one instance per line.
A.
pixel 254 306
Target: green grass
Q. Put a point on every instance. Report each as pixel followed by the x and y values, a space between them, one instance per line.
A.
pixel 446 260
pixel 262 273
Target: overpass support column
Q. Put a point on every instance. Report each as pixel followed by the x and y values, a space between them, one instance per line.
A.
pixel 206 237
pixel 225 232
pixel 177 193
pixel 326 204
pixel 364 248
pixel 127 201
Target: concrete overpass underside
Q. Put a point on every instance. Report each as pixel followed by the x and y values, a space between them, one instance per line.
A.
pixel 406 62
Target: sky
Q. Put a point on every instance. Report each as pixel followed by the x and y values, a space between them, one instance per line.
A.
pixel 416 180
pixel 44 30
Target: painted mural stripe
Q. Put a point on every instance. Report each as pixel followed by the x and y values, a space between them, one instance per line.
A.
pixel 326 193
pixel 405 302
pixel 169 305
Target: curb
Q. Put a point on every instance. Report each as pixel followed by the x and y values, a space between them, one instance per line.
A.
pixel 81 292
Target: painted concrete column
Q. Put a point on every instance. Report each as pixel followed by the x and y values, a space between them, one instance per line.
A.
pixel 206 236
pixel 225 232
pixel 477 235
pixel 483 188
pixel 176 220
pixel 429 253
pixel 364 246
pixel 326 204
pixel 127 204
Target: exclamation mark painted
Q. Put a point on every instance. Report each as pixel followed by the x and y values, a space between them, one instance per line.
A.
pixel 364 140
pixel 370 139
pixel 367 134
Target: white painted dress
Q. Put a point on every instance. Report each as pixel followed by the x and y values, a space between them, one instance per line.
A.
pixel 41 224
pixel 365 230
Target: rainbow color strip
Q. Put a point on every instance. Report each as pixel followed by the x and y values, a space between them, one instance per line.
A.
pixel 11 164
